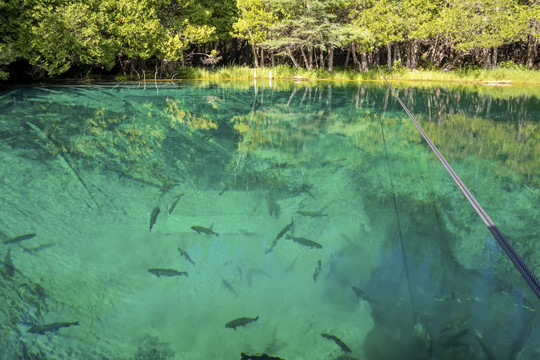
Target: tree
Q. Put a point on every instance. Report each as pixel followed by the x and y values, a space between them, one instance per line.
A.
pixel 483 25
pixel 256 18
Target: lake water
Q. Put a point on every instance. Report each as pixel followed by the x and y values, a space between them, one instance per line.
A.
pixel 283 211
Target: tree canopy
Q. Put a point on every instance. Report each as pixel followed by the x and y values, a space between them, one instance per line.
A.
pixel 78 36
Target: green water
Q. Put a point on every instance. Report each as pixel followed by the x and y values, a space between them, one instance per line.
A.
pixel 85 168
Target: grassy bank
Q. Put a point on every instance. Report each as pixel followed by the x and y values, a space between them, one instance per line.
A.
pixel 505 72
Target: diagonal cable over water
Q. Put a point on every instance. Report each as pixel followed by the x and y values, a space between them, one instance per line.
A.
pixel 524 270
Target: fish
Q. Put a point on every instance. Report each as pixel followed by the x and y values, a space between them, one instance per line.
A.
pixel 168 272
pixel 38 248
pixel 317 270
pixel 186 256
pixel 153 217
pixel 338 341
pixel 41 329
pixel 302 241
pixel 243 321
pixel 177 198
pixel 18 238
pixel 204 230
pixel 279 236
pixel 362 295
pixel 229 287
pixel 311 213
pixel 262 356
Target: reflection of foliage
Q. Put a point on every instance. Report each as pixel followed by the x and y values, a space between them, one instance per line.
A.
pixel 132 141
pixel 517 147
pixel 179 116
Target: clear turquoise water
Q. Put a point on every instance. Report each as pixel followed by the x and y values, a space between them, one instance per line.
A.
pixel 84 168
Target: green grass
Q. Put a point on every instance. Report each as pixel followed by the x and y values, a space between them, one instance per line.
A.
pixel 507 71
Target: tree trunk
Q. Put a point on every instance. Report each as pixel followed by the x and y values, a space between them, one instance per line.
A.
pixel 532 50
pixel 347 58
pixel 306 62
pixel 486 58
pixel 254 50
pixel 262 57
pixel 389 56
pixel 310 57
pixel 353 50
pixel 272 57
pixel 412 52
pixel 296 64
pixel 494 58
pixel 377 56
pixel 397 54
pixel 321 56
pixel 364 59
pixel 331 58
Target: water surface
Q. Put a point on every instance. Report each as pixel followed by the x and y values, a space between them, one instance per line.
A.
pixel 114 178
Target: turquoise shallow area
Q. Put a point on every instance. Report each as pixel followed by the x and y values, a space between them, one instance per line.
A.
pixel 312 208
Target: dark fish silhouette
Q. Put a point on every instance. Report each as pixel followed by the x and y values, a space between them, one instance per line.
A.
pixel 18 238
pixel 317 270
pixel 167 272
pixel 338 341
pixel 279 236
pixel 262 356
pixel 171 209
pixel 186 256
pixel 311 213
pixel 40 329
pixel 153 217
pixel 362 295
pixel 302 241
pixel 229 287
pixel 38 248
pixel 243 321
pixel 204 230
